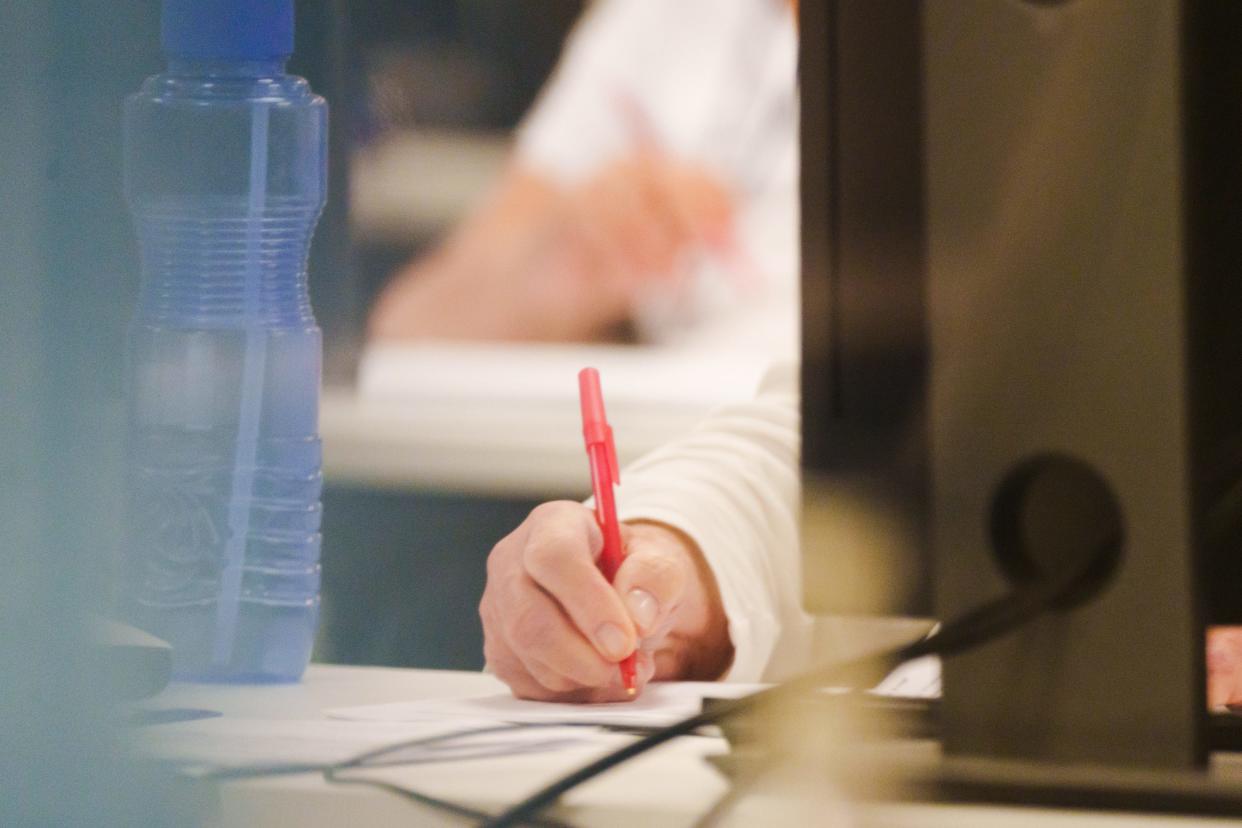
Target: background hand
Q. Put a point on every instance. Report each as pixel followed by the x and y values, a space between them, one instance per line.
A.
pixel 539 262
pixel 633 223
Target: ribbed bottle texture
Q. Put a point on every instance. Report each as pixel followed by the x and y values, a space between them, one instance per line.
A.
pixel 198 260
pixel 225 179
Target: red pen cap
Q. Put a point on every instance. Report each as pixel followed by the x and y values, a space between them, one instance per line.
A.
pixel 595 428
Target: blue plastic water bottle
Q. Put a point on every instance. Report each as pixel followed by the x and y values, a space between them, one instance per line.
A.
pixel 225 159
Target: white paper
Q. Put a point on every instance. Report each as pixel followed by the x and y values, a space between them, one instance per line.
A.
pixel 229 740
pixel 660 704
pixel 916 679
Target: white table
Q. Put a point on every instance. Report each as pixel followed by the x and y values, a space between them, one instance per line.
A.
pixel 672 787
pixel 503 420
pixel 675 784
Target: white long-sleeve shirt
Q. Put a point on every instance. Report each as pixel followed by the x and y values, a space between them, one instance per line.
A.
pixel 732 485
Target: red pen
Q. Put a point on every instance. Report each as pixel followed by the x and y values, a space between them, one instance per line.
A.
pixel 605 474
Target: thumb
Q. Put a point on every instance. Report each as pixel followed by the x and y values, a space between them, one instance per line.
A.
pixel 653 578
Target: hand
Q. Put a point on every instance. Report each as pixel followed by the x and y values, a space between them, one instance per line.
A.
pixel 1224 666
pixel 555 630
pixel 542 263
pixel 632 223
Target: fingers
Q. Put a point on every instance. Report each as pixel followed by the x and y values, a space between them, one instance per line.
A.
pixel 533 678
pixel 556 559
pixel 614 690
pixel 549 644
pixel 703 205
pixel 628 222
pixel 553 628
pixel 634 219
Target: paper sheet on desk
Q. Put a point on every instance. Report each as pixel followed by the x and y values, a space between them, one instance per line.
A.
pixel 917 679
pixel 660 704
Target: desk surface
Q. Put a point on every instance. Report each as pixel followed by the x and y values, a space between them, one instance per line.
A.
pixel 674 786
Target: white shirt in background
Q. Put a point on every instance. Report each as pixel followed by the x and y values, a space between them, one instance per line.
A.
pixel 716 83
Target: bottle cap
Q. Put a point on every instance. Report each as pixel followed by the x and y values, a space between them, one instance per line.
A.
pixel 246 30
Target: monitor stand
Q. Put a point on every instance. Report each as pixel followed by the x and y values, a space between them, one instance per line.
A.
pixel 895 755
pixel 1082 393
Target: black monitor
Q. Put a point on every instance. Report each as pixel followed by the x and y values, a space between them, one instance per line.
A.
pixel 1022 330
pixel 864 332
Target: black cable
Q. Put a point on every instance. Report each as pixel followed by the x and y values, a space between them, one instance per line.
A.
pixel 365 759
pixel 292 768
pixel 331 774
pixel 976 627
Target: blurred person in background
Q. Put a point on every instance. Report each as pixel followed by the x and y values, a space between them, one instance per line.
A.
pixel 652 193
